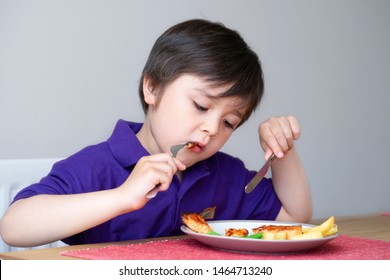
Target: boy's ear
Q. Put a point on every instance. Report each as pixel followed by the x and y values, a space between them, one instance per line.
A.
pixel 150 93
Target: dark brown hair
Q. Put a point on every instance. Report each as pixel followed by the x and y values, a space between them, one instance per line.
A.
pixel 208 50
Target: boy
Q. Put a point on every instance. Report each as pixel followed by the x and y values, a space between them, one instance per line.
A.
pixel 200 83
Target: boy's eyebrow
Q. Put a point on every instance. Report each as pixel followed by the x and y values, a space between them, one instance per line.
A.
pixel 208 95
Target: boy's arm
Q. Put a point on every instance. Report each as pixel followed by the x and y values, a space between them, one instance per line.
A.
pixel 277 135
pixel 292 188
pixel 42 219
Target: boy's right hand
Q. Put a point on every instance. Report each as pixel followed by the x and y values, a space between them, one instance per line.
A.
pixel 277 135
pixel 149 172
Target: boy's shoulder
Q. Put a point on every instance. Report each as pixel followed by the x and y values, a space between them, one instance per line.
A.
pixel 122 147
pixel 93 155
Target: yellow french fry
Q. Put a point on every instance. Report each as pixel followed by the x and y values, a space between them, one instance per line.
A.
pixel 332 230
pixel 324 227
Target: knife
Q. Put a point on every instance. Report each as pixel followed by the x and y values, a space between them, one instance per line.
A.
pixel 260 175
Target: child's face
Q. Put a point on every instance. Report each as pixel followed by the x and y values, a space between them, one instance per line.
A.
pixel 189 110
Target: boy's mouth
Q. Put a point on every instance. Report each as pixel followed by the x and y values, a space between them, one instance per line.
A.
pixel 196 147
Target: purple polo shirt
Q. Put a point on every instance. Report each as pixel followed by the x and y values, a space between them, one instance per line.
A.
pixel 218 181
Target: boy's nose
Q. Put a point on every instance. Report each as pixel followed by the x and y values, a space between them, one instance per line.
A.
pixel 210 127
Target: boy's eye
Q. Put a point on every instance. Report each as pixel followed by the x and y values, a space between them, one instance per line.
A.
pixel 199 107
pixel 228 124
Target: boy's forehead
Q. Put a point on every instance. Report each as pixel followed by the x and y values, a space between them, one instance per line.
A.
pixel 206 87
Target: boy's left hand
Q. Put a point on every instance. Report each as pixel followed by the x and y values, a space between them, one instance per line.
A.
pixel 277 135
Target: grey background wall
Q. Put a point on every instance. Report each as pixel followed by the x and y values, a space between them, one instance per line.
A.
pixel 70 69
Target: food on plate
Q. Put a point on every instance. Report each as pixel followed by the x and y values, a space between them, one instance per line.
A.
pixel 196 222
pixel 333 230
pixel 274 232
pixel 297 232
pixel 326 228
pixel 308 235
pixel 241 232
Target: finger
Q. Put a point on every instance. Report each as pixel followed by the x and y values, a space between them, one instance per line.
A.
pixel 279 131
pixel 295 127
pixel 179 164
pixel 175 164
pixel 285 125
pixel 168 169
pixel 161 181
pixel 158 173
pixel 269 140
pixel 167 163
pixel 151 194
pixel 268 153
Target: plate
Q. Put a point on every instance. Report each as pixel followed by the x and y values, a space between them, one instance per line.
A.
pixel 250 245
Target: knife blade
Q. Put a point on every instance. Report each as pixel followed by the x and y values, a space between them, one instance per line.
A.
pixel 260 175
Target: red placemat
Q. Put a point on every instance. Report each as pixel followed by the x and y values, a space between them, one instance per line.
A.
pixel 341 248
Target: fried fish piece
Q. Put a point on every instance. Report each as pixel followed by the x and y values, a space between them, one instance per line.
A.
pixel 274 232
pixel 195 222
pixel 240 232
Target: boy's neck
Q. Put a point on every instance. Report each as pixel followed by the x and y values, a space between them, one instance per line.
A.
pixel 143 138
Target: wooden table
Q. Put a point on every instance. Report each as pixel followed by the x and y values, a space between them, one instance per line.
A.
pixel 373 226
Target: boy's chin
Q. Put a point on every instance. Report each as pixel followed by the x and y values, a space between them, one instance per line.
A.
pixel 188 162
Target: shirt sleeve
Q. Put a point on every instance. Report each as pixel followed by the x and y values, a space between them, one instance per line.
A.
pixel 91 169
pixel 59 181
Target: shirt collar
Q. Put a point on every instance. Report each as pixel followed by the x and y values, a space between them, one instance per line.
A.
pixel 124 144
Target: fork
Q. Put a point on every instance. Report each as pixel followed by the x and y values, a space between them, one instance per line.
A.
pixel 177 148
pixel 174 150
